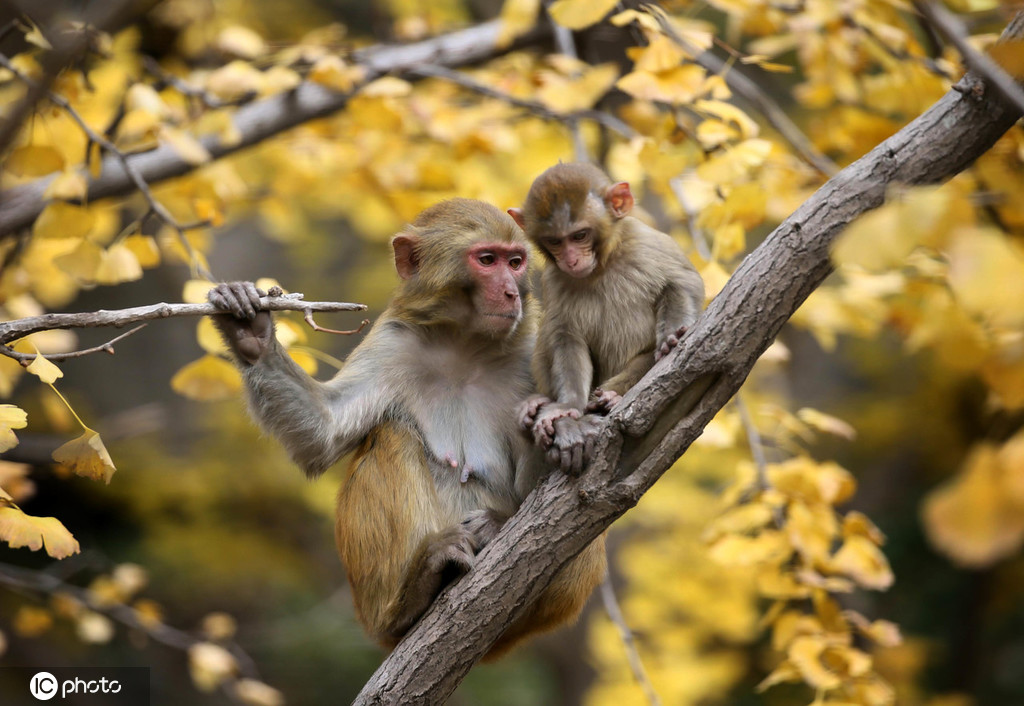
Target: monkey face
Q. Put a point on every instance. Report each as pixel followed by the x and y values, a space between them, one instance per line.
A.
pixel 498 273
pixel 574 253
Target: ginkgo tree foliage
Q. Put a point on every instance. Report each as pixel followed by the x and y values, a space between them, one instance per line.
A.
pixel 747 566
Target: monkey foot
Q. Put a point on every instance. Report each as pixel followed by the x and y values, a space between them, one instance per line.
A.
pixel 671 342
pixel 603 401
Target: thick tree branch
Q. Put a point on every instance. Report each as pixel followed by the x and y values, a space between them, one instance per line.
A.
pixel 263 119
pixel 666 412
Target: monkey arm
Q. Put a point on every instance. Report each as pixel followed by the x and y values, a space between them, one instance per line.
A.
pixel 630 375
pixel 572 372
pixel 678 306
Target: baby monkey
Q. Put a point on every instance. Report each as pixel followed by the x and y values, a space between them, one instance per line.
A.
pixel 617 295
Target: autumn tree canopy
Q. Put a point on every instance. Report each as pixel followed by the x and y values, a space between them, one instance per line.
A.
pixel 850 197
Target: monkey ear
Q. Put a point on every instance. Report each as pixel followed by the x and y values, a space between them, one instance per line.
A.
pixel 619 199
pixel 517 216
pixel 407 262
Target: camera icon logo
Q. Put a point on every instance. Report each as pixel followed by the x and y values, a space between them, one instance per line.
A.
pixel 43 686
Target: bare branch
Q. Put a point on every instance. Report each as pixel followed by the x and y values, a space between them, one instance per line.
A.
pixel 108 347
pixel 659 418
pixel 19 328
pixel 566 46
pixel 611 606
pixel 950 27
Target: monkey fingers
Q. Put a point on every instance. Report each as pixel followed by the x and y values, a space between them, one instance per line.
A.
pixel 544 427
pixel 573 444
pixel 671 342
pixel 483 525
pixel 603 401
pixel 528 410
pixel 241 299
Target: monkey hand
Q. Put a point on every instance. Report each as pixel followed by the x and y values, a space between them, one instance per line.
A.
pixel 603 401
pixel 670 342
pixel 246 329
pixel 483 525
pixel 527 411
pixel 573 444
pixel 544 424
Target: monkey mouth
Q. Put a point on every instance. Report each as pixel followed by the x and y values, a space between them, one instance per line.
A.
pixel 511 316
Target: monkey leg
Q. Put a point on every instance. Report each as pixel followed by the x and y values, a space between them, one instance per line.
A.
pixel 561 602
pixel 399 545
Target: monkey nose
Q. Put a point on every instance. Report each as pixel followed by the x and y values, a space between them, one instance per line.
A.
pixel 512 294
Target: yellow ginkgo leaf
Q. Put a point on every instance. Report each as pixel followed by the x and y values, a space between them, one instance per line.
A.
pixel 305 361
pixel 188 148
pixel 11 417
pixel 21 530
pixel 739 520
pixel 769 547
pixel 826 423
pixel 235 80
pixel 82 262
pixel 44 370
pixel 241 42
pixel 209 337
pixel 63 220
pixel 577 14
pixel 118 264
pixel 517 18
pixel 860 559
pixel 208 379
pixel 256 693
pixel 32 621
pixel 144 248
pixel 806 655
pixel 972 518
pixel 69 185
pixel 332 72
pixel 210 665
pixel 195 291
pixel 94 628
pixel 387 87
pixel 86 456
pixel 34 161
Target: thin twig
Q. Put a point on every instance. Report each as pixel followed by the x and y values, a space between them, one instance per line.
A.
pixel 106 145
pixel 749 91
pixel 308 316
pixel 108 347
pixel 697 234
pixel 947 23
pixel 754 440
pixel 18 578
pixel 11 331
pixel 611 606
pixel 539 109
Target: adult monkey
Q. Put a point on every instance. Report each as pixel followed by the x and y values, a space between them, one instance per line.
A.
pixel 428 403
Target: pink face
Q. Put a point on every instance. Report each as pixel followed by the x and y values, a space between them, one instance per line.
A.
pixel 498 269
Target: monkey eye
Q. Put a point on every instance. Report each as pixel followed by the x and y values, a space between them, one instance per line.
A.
pixel 580 235
pixel 486 259
pixel 552 242
pixel 515 262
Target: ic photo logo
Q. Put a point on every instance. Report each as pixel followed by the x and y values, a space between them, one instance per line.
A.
pixel 43 686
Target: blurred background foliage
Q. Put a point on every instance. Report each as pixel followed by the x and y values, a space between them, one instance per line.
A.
pixel 903 375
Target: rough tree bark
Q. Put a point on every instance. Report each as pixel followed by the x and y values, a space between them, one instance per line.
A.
pixel 667 411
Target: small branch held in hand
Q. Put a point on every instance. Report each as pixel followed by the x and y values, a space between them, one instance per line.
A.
pixel 108 347
pixel 308 316
pixel 19 328
pixel 947 23
pixel 611 606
